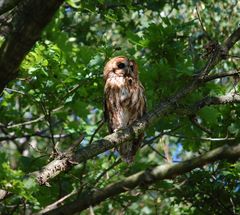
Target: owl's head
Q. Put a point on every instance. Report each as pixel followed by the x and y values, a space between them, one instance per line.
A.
pixel 120 67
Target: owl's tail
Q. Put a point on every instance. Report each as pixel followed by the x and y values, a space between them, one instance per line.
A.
pixel 128 150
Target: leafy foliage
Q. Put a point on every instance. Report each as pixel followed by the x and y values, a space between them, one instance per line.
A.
pixel 58 96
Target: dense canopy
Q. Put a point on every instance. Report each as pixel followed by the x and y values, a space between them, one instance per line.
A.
pixel 56 154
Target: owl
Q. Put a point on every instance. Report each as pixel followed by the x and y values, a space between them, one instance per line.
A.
pixel 124 100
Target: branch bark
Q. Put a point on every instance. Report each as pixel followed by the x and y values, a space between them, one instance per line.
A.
pixel 219 100
pixel 144 178
pixel 3 194
pixel 97 147
pixel 230 98
pixel 30 18
pixel 234 37
pixel 6 5
pixel 221 75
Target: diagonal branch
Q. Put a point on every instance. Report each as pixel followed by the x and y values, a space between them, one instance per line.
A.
pixel 234 37
pixel 145 178
pixel 97 147
pixel 63 163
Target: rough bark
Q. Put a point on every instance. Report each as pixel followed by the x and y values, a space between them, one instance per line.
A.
pixel 3 194
pixel 6 5
pixel 143 178
pixel 63 163
pixel 30 18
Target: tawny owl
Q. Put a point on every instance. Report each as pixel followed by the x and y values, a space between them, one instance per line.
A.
pixel 124 100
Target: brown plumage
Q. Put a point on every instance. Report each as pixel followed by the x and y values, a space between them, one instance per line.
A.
pixel 124 100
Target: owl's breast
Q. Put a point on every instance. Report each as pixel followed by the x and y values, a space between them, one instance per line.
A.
pixel 118 86
pixel 124 93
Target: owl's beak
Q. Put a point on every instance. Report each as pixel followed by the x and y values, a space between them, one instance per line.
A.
pixel 128 70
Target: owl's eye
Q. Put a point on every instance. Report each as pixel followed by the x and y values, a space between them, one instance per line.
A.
pixel 121 65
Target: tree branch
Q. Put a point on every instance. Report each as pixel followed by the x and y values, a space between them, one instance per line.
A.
pixel 40 118
pixel 221 75
pixel 3 194
pixel 145 178
pixel 6 5
pixel 226 139
pixel 218 100
pixel 97 147
pixel 193 118
pixel 30 18
pixel 61 164
pixel 234 37
pixel 191 110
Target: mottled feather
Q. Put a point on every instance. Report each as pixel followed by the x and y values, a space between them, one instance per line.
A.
pixel 124 100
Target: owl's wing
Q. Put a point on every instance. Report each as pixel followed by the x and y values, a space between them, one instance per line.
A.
pixel 144 98
pixel 106 113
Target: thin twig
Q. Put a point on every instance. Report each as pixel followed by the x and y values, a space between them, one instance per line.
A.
pixel 202 26
pixel 75 144
pixel 34 120
pixel 212 139
pixel 59 201
pixel 118 161
pixel 15 91
pixel 194 120
pixel 167 132
pixel 221 75
pixel 157 152
pixel 233 56
pixel 101 123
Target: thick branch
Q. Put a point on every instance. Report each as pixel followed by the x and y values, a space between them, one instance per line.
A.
pixel 97 147
pixel 229 43
pixel 62 163
pixel 6 5
pixel 29 20
pixel 145 178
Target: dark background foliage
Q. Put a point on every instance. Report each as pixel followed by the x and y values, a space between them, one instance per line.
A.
pixel 58 96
